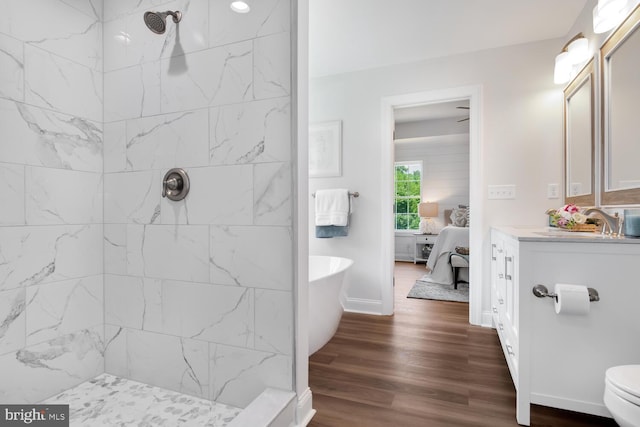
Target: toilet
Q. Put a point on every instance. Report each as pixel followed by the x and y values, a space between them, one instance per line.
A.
pixel 622 394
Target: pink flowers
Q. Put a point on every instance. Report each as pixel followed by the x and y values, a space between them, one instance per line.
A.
pixel 567 216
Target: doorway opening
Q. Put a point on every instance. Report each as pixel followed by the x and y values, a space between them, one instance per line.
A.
pixel 469 96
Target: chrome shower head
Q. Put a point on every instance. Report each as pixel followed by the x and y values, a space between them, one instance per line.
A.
pixel 157 21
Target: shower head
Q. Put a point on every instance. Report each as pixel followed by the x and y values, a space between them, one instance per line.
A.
pixel 157 21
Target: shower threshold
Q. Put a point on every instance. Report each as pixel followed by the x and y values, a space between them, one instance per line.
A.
pixel 108 400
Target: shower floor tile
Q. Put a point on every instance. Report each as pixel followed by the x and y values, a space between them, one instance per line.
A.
pixel 112 401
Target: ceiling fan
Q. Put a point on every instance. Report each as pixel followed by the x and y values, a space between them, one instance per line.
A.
pixel 466 118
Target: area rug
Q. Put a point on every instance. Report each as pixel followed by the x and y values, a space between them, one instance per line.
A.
pixel 437 291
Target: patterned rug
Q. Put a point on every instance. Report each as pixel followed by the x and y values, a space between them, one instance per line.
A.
pixel 437 291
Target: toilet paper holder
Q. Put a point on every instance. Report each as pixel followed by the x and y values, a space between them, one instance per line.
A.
pixel 541 291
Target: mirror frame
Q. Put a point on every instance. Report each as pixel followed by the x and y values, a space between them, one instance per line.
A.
pixel 586 76
pixel 617 38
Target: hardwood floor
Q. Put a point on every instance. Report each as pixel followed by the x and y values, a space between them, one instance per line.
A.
pixel 423 366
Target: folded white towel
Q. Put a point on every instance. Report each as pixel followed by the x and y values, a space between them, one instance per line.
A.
pixel 332 207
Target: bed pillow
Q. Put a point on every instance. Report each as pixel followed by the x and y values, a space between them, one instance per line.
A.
pixel 459 217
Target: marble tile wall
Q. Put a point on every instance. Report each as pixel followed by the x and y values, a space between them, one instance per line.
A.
pixel 198 293
pixel 97 270
pixel 51 215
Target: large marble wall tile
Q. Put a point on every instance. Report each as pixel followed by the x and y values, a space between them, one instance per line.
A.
pixel 132 197
pixel 115 146
pixel 168 252
pixel 63 29
pixel 272 194
pixel 91 8
pixel 12 320
pixel 218 195
pixel 271 66
pixel 58 309
pixel 259 257
pixel 115 350
pixel 274 321
pixel 37 372
pixel 239 375
pixel 59 196
pixel 58 83
pixel 133 302
pixel 174 363
pixel 168 141
pixel 222 314
pixel 115 248
pixel 34 255
pixel 132 92
pixel 115 41
pixel 39 137
pixel 253 132
pixel 11 68
pixel 211 77
pixel 12 178
pixel 266 17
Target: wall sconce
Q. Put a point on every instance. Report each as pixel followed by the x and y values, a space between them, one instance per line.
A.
pixel 608 14
pixel 426 211
pixel 574 54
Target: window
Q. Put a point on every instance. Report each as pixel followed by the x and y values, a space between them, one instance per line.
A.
pixel 408 179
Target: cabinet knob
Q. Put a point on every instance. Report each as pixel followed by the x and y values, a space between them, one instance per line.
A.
pixel 495 310
pixel 510 350
pixel 508 277
pixel 500 276
pixel 501 301
pixel 500 326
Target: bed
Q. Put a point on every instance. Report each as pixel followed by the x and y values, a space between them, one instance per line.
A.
pixel 438 266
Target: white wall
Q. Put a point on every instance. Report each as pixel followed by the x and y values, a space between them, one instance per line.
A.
pixel 521 136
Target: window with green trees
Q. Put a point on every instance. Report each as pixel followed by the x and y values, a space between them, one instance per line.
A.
pixel 408 179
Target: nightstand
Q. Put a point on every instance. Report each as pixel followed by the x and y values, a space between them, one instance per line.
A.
pixel 422 240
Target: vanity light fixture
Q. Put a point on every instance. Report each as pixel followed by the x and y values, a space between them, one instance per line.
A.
pixel 240 6
pixel 573 55
pixel 608 14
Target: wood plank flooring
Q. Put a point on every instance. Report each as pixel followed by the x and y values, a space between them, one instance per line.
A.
pixel 423 366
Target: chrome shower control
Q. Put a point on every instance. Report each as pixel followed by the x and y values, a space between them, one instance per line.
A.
pixel 175 185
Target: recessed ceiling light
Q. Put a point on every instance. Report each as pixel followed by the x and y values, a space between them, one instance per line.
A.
pixel 240 7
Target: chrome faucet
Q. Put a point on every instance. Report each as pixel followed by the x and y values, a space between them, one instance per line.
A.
pixel 613 221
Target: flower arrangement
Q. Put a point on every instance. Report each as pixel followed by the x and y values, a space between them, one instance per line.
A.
pixel 569 217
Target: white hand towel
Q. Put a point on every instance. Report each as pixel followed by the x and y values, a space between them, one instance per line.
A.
pixel 332 207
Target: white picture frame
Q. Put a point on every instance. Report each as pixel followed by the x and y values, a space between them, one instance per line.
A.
pixel 325 149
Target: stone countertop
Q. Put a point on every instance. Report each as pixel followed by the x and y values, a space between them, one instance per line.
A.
pixel 550 234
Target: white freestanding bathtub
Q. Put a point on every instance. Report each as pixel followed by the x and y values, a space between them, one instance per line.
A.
pixel 326 297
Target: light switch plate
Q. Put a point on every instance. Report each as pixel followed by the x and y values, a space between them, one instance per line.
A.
pixel 502 191
pixel 553 191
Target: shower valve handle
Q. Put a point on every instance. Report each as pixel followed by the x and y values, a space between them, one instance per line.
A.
pixel 175 184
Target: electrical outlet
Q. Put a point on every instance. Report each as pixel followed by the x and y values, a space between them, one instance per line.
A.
pixel 553 191
pixel 502 192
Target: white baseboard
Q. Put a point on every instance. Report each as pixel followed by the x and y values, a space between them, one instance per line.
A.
pixel 570 404
pixel 487 319
pixel 304 410
pixel 364 306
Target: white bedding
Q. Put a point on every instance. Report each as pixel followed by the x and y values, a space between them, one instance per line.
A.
pixel 438 267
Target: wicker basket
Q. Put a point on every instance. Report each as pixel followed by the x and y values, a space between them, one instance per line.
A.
pixel 582 227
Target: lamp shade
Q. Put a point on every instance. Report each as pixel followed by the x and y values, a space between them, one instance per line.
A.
pixel 428 210
pixel 608 14
pixel 562 71
pixel 578 50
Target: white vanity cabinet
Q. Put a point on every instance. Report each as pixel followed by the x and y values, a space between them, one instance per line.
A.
pixel 560 360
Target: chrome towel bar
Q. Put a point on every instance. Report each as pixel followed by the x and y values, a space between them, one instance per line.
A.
pixel 354 194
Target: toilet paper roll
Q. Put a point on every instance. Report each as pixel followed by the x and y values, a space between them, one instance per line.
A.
pixel 571 299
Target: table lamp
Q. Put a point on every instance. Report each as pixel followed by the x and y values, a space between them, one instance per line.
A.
pixel 427 211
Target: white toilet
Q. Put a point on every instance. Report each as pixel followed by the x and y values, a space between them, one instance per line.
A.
pixel 622 394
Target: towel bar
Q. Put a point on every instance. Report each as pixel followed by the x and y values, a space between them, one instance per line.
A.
pixel 354 194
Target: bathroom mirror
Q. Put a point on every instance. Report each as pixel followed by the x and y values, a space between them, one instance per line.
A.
pixel 579 141
pixel 620 98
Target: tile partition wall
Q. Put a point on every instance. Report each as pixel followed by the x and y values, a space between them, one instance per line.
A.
pixel 51 267
pixel 197 295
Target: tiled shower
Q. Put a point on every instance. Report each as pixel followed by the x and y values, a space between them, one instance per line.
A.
pixel 98 272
